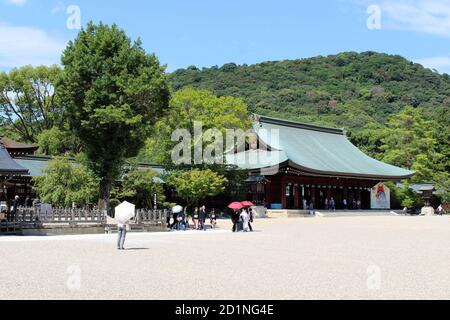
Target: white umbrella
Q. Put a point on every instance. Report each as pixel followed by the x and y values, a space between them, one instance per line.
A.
pixel 125 211
pixel 177 209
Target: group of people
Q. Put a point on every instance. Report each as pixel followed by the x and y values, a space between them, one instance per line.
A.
pixel 332 205
pixel 10 212
pixel 180 221
pixel 242 220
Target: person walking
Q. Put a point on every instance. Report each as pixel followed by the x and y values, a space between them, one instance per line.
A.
pixel 440 210
pixel 213 219
pixel 345 204
pixel 332 205
pixel 195 219
pixel 235 219
pixel 15 205
pixel 122 233
pixel 168 216
pixel 175 220
pixel 250 212
pixel 202 218
pixel 245 219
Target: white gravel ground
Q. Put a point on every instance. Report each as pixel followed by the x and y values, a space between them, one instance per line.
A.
pixel 328 258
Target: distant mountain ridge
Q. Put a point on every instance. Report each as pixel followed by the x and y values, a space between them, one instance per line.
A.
pixel 348 90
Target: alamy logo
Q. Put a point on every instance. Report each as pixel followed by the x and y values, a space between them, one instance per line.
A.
pixel 74 19
pixel 235 147
pixel 374 19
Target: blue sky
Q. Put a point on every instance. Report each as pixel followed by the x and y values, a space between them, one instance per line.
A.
pixel 206 32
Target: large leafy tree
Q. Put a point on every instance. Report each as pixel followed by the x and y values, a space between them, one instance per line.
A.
pixel 196 185
pixel 411 141
pixel 65 183
pixel 140 187
pixel 113 91
pixel 187 106
pixel 28 102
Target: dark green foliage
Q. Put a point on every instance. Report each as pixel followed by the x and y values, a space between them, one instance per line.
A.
pixel 348 90
pixel 393 109
pixel 113 92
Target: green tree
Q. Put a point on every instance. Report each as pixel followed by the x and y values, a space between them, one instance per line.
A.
pixel 56 142
pixel 65 182
pixel 405 196
pixel 113 92
pixel 411 141
pixel 140 185
pixel 196 185
pixel 28 101
pixel 187 106
pixel 443 187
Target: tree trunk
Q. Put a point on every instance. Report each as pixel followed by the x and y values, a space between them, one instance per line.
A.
pixel 105 189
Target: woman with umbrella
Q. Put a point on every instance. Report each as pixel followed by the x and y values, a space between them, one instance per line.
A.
pixel 235 206
pixel 123 214
pixel 177 211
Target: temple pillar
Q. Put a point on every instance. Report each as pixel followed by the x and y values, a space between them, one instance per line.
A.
pixel 296 196
pixel 313 197
pixel 358 197
pixel 283 193
pixel 268 196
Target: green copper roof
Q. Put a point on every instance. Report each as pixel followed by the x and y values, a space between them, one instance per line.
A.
pixel 8 165
pixel 36 164
pixel 256 159
pixel 320 150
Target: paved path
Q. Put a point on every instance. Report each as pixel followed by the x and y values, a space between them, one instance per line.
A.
pixel 344 258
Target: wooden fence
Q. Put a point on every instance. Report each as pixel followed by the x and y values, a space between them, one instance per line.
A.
pixel 35 217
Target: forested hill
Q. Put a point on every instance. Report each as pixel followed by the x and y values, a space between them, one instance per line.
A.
pixel 349 90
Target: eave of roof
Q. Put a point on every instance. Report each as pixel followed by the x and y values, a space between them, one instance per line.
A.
pixel 8 165
pixel 11 144
pixel 321 151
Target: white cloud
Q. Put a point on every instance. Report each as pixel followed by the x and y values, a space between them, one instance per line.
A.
pixel 428 16
pixel 442 64
pixel 21 46
pixel 58 7
pixel 19 3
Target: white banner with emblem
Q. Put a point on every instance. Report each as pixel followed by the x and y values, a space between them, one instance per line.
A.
pixel 380 197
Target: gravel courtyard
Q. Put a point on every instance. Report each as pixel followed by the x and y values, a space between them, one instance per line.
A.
pixel 311 258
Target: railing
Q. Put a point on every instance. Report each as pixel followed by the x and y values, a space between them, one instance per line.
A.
pixel 59 215
pixel 36 217
pixel 147 216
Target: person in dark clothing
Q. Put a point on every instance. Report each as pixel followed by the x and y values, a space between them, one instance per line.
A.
pixel 235 220
pixel 202 218
pixel 213 219
pixel 175 220
pixel 168 216
pixel 14 207
pixel 28 202
pixel 250 212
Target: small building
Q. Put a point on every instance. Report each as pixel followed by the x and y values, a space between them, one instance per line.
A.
pixel 295 165
pixel 10 172
pixel 18 149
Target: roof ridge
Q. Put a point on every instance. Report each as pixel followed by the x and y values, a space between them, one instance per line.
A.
pixel 299 125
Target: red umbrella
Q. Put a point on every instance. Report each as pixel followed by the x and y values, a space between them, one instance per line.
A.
pixel 247 204
pixel 236 206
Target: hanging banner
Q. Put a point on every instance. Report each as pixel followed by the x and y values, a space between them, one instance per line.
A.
pixel 380 197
